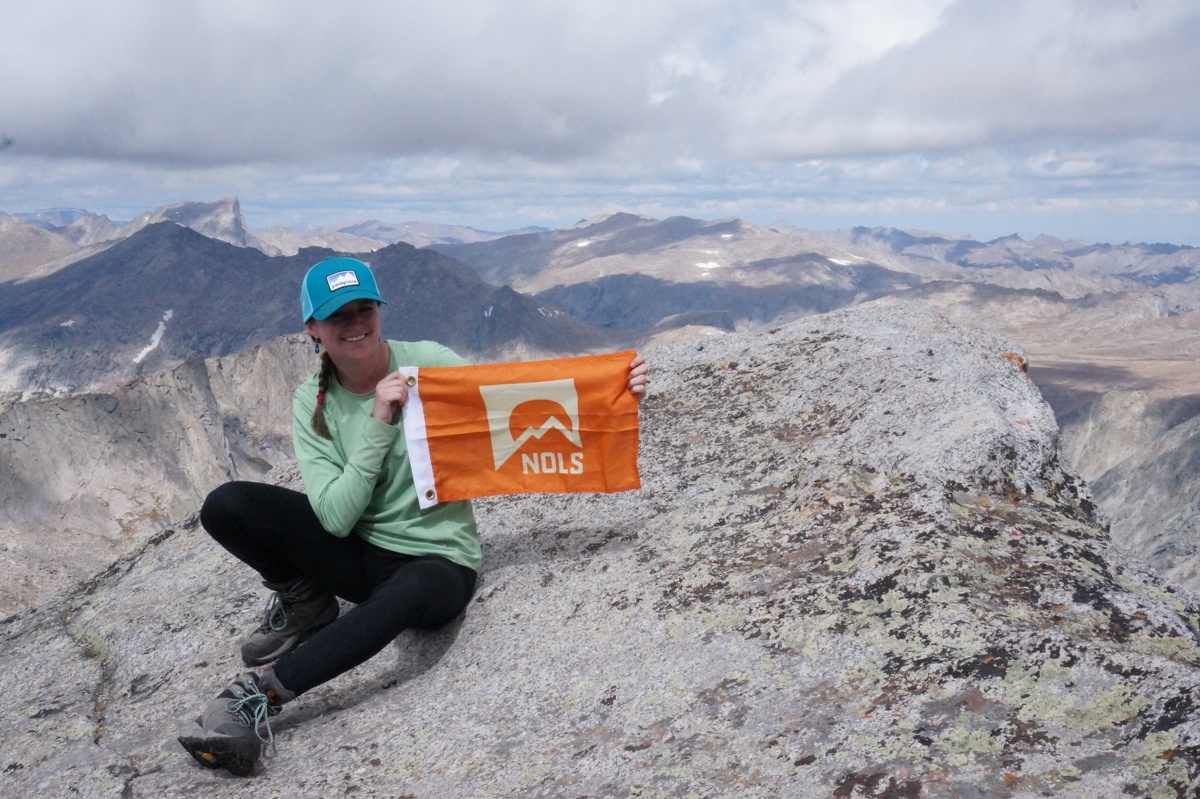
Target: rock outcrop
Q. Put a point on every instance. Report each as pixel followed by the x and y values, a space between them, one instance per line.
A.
pixel 1119 371
pixel 89 478
pixel 859 567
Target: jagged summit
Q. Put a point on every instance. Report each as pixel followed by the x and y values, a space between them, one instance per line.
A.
pixel 221 220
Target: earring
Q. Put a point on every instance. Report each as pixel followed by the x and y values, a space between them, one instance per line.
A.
pixel 316 345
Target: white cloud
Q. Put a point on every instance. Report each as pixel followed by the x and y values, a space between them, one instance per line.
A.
pixel 991 73
pixel 548 111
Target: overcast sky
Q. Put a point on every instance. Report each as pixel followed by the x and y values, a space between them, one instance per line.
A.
pixel 985 117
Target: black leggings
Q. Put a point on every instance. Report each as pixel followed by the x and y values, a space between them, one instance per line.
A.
pixel 275 531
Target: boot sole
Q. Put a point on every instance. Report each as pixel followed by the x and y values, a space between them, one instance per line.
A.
pixel 237 755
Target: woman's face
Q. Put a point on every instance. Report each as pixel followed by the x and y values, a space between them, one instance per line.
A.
pixel 351 331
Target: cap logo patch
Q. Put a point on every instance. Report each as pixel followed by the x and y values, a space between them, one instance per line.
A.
pixel 340 280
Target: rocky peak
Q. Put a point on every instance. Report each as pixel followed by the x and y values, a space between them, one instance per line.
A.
pixel 221 220
pixel 859 567
pixel 91 229
pixel 24 247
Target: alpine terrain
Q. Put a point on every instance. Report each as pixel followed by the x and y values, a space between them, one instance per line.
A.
pixel 918 514
pixel 860 566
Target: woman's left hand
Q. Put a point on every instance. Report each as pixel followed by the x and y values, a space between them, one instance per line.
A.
pixel 639 377
pixel 390 395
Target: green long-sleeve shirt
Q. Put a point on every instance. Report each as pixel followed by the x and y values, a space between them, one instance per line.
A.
pixel 361 481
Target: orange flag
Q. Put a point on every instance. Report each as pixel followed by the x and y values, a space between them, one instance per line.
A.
pixel 557 426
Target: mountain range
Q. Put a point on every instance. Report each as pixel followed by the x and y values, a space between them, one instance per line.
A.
pixel 69 234
pixel 167 291
pixel 699 261
pixel 1110 330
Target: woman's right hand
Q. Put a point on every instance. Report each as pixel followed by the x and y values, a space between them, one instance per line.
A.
pixel 390 395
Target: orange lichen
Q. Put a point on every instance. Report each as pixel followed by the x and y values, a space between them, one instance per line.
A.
pixel 1021 363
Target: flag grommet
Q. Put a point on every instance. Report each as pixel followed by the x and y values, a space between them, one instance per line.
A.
pixel 412 381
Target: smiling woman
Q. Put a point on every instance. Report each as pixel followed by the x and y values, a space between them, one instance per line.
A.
pixel 358 533
pixel 350 336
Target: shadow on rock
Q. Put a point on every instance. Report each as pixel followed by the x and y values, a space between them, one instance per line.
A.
pixel 417 651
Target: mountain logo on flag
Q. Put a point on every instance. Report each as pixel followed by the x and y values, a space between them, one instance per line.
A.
pixel 518 412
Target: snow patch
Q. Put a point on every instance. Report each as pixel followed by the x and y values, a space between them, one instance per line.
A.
pixel 709 265
pixel 582 243
pixel 156 338
pixel 838 261
pixel 67 323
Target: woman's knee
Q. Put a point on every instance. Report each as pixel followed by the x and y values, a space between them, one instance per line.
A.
pixel 214 511
pixel 224 509
pixel 445 587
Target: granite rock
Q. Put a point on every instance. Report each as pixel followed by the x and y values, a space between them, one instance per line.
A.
pixel 859 566
pixel 88 478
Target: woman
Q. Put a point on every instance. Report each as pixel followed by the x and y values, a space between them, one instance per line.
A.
pixel 357 533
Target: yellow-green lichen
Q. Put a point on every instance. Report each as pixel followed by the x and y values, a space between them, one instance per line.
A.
pixel 1038 694
pixel 967 739
pixel 843 566
pixel 1178 773
pixel 1153 755
pixel 884 748
pixel 1117 705
pixel 1168 647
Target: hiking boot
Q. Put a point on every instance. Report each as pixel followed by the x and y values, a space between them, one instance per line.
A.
pixel 231 729
pixel 295 611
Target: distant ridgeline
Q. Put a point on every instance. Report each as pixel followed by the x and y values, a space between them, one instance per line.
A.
pixel 127 303
pixel 1111 329
pixel 166 292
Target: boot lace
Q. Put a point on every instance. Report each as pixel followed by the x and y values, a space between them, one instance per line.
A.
pixel 253 709
pixel 275 613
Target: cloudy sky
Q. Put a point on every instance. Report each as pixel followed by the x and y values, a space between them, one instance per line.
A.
pixel 985 117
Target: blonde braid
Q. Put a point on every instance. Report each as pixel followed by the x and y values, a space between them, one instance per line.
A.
pixel 318 417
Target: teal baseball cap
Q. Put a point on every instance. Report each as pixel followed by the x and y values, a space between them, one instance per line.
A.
pixel 332 283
